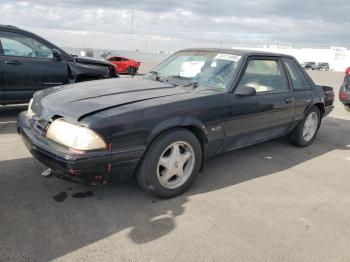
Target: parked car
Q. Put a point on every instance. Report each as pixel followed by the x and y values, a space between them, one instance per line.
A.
pixel 308 65
pixel 125 65
pixel 321 66
pixel 344 92
pixel 29 63
pixel 196 104
pixel 347 71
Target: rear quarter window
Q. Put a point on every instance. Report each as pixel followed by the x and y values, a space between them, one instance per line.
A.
pixel 299 81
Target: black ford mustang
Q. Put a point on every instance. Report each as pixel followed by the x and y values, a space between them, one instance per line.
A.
pixel 161 128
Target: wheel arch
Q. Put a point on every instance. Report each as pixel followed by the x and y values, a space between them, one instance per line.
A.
pixel 321 107
pixel 318 102
pixel 192 124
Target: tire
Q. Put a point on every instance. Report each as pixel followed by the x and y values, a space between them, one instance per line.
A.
pixel 164 182
pixel 131 71
pixel 300 138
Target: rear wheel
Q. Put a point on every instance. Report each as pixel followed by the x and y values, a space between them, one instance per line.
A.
pixel 170 164
pixel 305 132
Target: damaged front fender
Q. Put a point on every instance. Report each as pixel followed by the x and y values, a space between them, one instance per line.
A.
pixel 84 69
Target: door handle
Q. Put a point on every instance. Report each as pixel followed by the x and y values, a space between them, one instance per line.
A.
pixel 15 62
pixel 289 100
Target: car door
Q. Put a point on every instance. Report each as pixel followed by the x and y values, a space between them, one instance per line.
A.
pixel 124 63
pixel 27 66
pixel 264 115
pixel 302 87
pixel 117 63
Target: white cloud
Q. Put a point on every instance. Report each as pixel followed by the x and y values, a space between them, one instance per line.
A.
pixel 171 25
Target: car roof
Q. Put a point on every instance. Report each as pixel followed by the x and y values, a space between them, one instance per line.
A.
pixel 116 56
pixel 9 26
pixel 17 29
pixel 240 52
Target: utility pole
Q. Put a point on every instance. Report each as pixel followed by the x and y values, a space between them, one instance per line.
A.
pixel 132 21
pixel 132 29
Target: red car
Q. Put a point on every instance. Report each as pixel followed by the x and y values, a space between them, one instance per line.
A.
pixel 347 71
pixel 124 65
pixel 344 93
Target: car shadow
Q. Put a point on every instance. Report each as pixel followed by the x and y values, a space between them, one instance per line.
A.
pixel 30 215
pixel 8 118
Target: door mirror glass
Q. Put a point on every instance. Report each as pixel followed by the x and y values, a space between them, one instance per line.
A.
pixel 57 55
pixel 245 91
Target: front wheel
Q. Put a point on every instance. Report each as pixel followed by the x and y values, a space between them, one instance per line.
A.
pixel 131 71
pixel 170 164
pixel 305 132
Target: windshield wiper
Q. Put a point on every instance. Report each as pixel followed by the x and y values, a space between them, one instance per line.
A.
pixel 157 75
pixel 188 81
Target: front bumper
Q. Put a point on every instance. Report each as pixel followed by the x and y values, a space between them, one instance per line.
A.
pixel 89 168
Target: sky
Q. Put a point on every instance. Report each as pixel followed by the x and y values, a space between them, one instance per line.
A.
pixel 174 24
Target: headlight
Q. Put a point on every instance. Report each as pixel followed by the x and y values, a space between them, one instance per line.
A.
pixel 30 112
pixel 74 136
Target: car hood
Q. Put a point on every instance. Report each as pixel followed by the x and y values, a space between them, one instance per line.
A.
pixel 91 61
pixel 79 100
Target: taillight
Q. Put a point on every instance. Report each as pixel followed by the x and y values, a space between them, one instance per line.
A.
pixel 343 95
pixel 347 71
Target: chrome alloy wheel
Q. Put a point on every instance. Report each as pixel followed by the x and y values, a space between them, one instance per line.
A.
pixel 176 165
pixel 310 126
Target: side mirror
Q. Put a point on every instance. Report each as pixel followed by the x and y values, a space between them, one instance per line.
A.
pixel 57 55
pixel 245 91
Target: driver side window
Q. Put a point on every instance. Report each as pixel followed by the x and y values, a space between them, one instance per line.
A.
pixel 264 76
pixel 18 45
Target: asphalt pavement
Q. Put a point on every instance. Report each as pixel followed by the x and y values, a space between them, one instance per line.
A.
pixel 269 202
